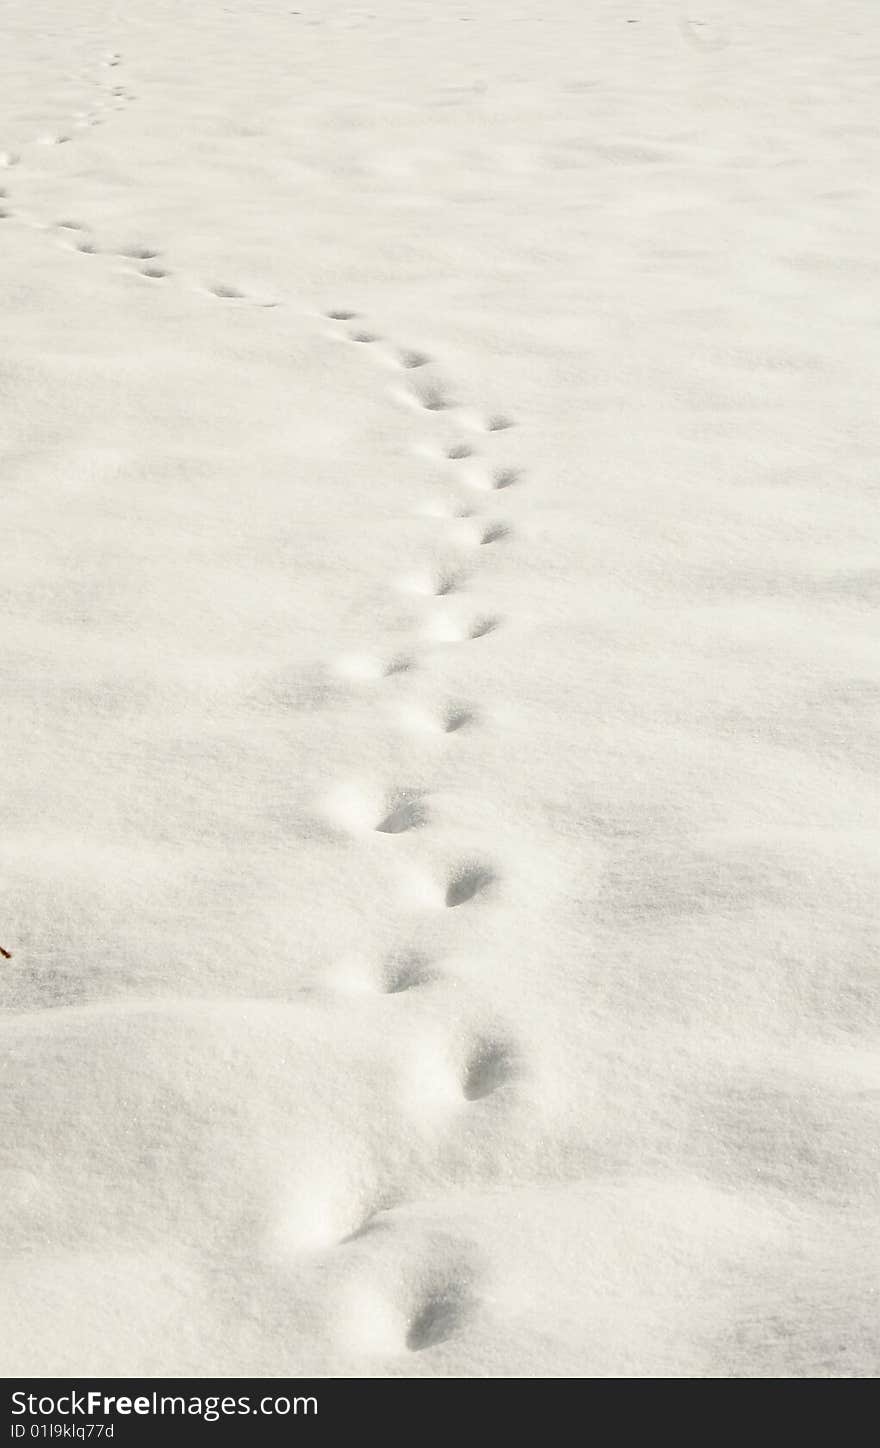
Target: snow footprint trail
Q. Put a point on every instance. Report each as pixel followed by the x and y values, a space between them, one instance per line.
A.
pixel 81 236
pixel 482 1063
pixel 111 96
pixel 473 1070
pixel 487 1067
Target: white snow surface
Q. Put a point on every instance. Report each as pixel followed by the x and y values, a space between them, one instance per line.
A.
pixel 439 740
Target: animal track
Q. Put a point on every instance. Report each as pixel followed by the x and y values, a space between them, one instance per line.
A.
pixel 467 882
pixel 411 360
pixel 434 399
pixel 409 1305
pixel 139 252
pixel 434 585
pixel 431 394
pixel 341 316
pixel 226 293
pixel 438 1317
pixel 498 422
pixel 406 813
pixel 446 721
pixel 157 272
pixel 367 666
pixel 364 337
pixel 459 450
pixel 453 630
pixel 456 717
pixel 406 972
pixel 476 475
pixel 493 533
pixel 491 1064
pixel 444 508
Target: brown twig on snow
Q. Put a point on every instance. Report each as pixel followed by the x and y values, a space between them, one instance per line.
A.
pixel 7 954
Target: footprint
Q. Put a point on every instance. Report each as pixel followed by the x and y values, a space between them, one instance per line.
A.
pixel 87 247
pixel 410 1302
pixel 498 422
pixel 367 667
pixel 475 474
pixel 482 626
pixel 139 251
pixel 434 399
pixel 446 721
pixel 71 226
pixel 457 717
pixel 437 1318
pixel 400 971
pixel 450 630
pixel 411 360
pixel 226 293
pixel 431 394
pixel 407 972
pixel 341 315
pixel 432 585
pixel 440 507
pixel 459 450
pixel 490 1064
pixel 156 272
pixel 364 337
pixel 467 882
pixel 407 812
pixel 9 158
pixel 493 533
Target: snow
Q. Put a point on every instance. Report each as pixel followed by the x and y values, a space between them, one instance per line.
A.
pixel 440 679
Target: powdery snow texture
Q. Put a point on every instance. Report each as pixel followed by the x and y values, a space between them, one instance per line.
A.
pixel 440 685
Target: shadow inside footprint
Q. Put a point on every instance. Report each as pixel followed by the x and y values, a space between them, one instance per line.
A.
pixel 483 626
pixel 227 293
pixel 459 450
pixel 446 582
pixel 435 402
pixel 494 532
pixel 436 1320
pixel 468 882
pixel 455 719
pixel 400 664
pixel 407 814
pixel 414 359
pixel 491 1064
pixel 430 393
pixel 407 972
pixel 499 423
pixel 340 315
